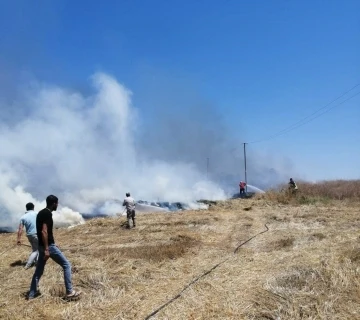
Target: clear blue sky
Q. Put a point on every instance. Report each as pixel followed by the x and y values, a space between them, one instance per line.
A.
pixel 265 64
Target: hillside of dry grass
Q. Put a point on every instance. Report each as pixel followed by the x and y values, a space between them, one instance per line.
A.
pixel 335 189
pixel 310 193
pixel 307 266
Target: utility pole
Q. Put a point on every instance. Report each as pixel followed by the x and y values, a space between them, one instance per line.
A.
pixel 245 166
pixel 207 168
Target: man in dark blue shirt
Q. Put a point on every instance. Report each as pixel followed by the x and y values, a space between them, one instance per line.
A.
pixel 48 249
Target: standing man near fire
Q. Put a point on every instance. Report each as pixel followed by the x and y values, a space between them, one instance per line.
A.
pixel 242 186
pixel 292 186
pixel 129 204
pixel 28 220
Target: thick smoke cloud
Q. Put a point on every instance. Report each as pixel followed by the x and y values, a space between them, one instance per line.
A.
pixel 198 131
pixel 87 149
pixel 82 148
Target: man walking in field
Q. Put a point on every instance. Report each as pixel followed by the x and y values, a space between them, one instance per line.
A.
pixel 28 220
pixel 48 249
pixel 129 204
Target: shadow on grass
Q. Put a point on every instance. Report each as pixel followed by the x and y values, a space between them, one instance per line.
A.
pixel 18 263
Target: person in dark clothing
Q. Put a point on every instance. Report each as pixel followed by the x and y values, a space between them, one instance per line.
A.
pixel 48 249
pixel 292 186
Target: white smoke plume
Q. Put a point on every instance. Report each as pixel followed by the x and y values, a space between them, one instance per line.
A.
pixel 13 202
pixel 82 149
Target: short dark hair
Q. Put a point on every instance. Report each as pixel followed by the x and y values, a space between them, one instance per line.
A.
pixel 51 199
pixel 128 194
pixel 30 206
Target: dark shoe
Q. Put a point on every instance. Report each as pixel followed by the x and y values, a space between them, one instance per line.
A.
pixel 72 296
pixel 37 294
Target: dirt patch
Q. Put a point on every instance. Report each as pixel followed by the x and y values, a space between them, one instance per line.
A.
pixel 353 255
pixel 318 236
pixel 204 221
pixel 279 219
pixel 281 244
pixel 178 246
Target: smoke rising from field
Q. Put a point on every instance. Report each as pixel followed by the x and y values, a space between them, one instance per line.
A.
pixel 87 149
pixel 82 149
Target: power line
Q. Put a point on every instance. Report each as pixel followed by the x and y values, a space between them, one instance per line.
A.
pixel 282 132
pixel 327 110
pixel 312 116
pixel 324 107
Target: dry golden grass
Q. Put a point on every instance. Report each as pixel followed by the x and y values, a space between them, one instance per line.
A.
pixel 307 266
pixel 338 189
pixel 310 193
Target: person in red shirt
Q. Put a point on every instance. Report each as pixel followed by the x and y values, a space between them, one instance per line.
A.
pixel 242 186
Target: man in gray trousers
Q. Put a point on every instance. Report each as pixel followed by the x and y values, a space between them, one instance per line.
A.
pixel 28 220
pixel 129 204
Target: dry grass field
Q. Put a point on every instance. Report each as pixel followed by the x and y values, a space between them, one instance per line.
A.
pixel 326 191
pixel 307 266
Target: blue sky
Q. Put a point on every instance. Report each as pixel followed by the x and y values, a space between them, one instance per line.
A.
pixel 263 64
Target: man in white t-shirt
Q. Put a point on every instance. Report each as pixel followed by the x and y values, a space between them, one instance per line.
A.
pixel 28 220
pixel 129 203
